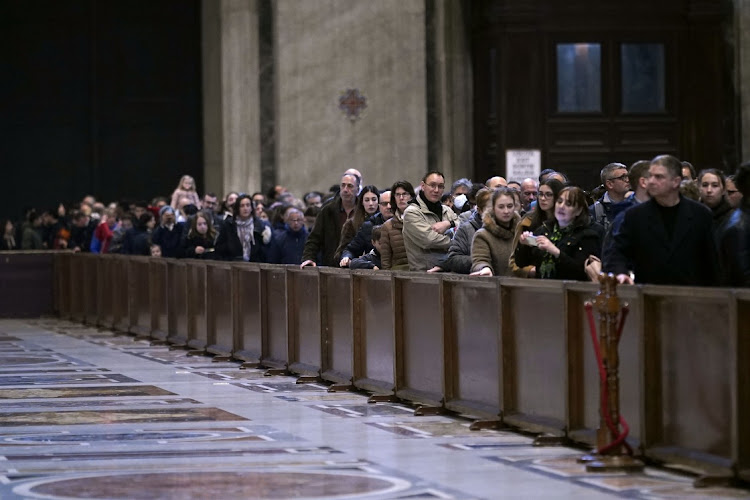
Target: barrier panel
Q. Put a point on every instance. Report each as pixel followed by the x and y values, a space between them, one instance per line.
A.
pixel 535 361
pixel 197 309
pixel 473 323
pixel 77 279
pixel 420 371
pixel 506 349
pixel 104 286
pixel 63 262
pixel 140 296
pixel 375 358
pixel 177 303
pixel 159 288
pixel 220 309
pixel 121 293
pixel 90 290
pixel 275 312
pixel 26 283
pixel 306 340
pixel 248 313
pixel 742 333
pixel 690 338
pixel 584 396
pixel 336 305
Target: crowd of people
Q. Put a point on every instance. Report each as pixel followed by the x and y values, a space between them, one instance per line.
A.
pixel 657 221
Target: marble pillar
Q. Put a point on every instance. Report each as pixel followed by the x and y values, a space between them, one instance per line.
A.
pixel 324 48
pixel 452 91
pixel 742 22
pixel 231 96
pixel 213 144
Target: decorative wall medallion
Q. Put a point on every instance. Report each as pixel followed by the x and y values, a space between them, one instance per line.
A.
pixel 352 103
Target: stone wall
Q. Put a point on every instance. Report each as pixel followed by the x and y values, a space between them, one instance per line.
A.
pixel 326 47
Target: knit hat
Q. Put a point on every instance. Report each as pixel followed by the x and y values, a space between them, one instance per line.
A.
pixel 164 209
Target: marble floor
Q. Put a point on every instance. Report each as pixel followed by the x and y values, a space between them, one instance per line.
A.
pixel 90 414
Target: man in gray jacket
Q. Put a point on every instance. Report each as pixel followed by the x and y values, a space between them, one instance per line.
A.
pixel 428 225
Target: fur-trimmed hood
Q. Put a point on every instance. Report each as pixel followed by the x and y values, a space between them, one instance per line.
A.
pixel 490 224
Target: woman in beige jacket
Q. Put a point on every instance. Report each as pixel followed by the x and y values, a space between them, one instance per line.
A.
pixel 492 245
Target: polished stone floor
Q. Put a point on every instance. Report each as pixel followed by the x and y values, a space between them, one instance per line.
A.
pixel 90 414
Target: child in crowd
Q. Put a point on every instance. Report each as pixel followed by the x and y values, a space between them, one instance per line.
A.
pixel 372 259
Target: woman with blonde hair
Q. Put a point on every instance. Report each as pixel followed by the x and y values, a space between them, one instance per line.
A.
pixel 185 189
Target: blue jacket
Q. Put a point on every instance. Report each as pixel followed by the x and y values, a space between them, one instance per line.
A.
pixel 287 246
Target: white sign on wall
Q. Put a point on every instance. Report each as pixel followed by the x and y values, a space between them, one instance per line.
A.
pixel 522 163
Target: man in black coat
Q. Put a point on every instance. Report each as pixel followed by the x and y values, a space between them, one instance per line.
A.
pixel 668 239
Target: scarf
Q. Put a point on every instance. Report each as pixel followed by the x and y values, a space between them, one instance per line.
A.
pixel 436 208
pixel 547 268
pixel 245 233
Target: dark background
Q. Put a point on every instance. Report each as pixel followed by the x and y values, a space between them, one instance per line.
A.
pixel 98 97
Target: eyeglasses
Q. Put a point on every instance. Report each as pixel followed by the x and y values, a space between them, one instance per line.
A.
pixel 732 191
pixel 296 221
pixel 433 185
pixel 542 194
pixel 623 177
pixel 384 203
pixel 530 193
pixel 403 195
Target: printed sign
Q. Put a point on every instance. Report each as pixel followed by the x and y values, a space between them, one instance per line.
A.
pixel 522 163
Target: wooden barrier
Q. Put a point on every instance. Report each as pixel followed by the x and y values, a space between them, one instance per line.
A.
pixel 742 378
pixel 498 349
pixel 220 309
pixel 104 287
pixel 378 328
pixel 27 284
pixel 197 307
pixel 90 291
pixel 177 303
pixel 121 293
pixel 139 274
pixel 305 330
pixel 535 368
pixel 337 301
pixel 63 263
pixel 159 292
pixel 690 338
pixel 274 314
pixel 420 371
pixel 473 347
pixel 248 316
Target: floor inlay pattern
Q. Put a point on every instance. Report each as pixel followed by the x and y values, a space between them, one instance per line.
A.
pixel 89 414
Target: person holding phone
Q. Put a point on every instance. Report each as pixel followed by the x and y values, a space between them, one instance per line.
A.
pixel 560 246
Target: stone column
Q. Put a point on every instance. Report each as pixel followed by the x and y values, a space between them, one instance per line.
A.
pixel 326 47
pixel 742 22
pixel 453 92
pixel 231 95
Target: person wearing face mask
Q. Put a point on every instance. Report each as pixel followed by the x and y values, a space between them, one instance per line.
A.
pixel 244 237
pixel 560 246
pixel 492 244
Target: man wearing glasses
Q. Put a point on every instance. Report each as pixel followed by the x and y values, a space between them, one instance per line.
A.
pixel 615 180
pixel 428 225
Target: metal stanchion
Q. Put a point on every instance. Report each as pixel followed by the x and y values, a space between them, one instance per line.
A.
pixel 612 451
